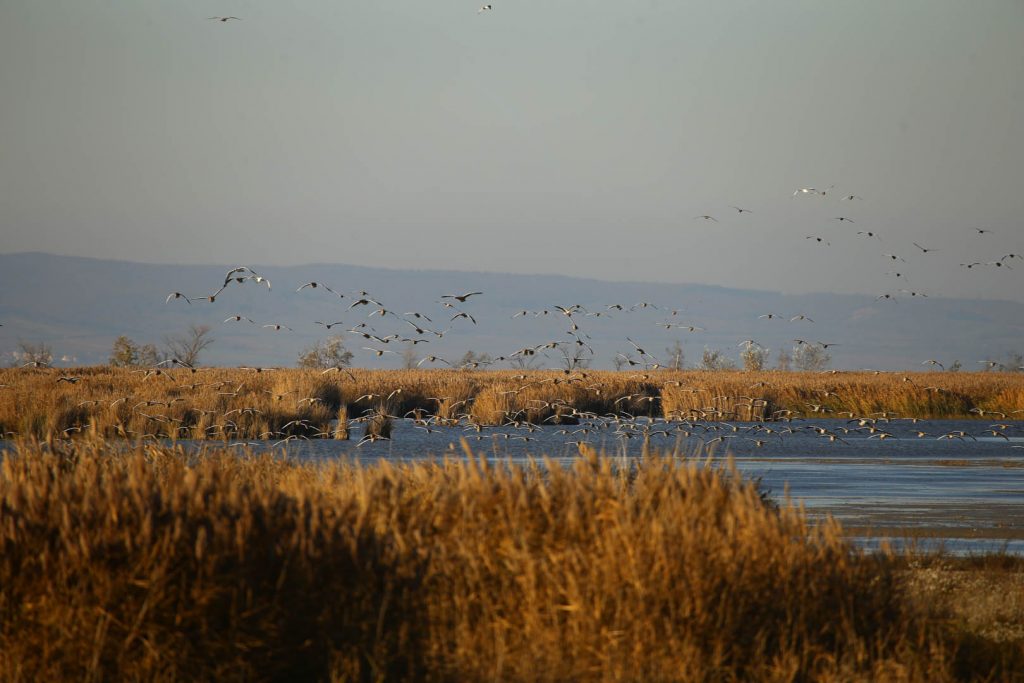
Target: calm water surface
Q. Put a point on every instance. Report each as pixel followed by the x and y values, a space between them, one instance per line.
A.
pixel 964 493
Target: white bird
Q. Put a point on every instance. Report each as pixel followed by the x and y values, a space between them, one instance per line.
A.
pixel 177 295
pixel 279 326
pixel 224 19
pixel 851 197
pixel 239 318
pixel 707 218
pixel 800 317
pixel 484 8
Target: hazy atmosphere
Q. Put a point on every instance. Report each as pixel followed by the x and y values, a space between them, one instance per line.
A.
pixel 578 138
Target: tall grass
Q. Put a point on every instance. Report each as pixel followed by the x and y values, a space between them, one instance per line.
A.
pixel 236 403
pixel 157 564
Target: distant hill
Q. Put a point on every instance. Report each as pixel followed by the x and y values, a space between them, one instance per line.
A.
pixel 80 305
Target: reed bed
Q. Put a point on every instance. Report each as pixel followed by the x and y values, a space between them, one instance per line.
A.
pixel 156 563
pixel 233 403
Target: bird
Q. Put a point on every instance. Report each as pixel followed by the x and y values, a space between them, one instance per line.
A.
pixel 933 362
pixel 463 314
pixel 741 210
pixel 484 8
pixel 819 240
pixel 851 197
pixel 379 352
pixel 177 295
pixel 923 250
pixel 224 19
pixel 278 327
pixel 461 298
pixel 800 317
pixel 894 257
pixel 315 285
pixel 844 219
pixel 809 190
pixel 707 218
pixel 238 318
pixel 868 233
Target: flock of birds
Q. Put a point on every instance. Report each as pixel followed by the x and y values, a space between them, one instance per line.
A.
pixel 575 350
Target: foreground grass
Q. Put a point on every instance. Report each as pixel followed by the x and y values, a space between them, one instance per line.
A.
pixel 239 403
pixel 153 564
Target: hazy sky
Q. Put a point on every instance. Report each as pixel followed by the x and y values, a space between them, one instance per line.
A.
pixel 568 136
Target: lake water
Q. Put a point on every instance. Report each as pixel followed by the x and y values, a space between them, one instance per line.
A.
pixel 966 494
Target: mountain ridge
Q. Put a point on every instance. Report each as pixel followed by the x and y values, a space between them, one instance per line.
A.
pixel 79 305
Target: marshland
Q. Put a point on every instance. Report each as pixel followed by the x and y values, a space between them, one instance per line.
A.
pixel 181 524
pixel 635 261
pixel 157 563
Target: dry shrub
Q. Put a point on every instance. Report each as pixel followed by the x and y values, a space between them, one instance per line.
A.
pixel 161 564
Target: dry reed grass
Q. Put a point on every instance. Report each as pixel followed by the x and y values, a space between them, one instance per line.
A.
pixel 220 403
pixel 158 564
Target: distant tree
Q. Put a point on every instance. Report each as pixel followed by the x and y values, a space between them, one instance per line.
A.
pixel 38 353
pixel 149 355
pixel 471 359
pixel 1015 361
pixel 754 357
pixel 187 346
pixel 326 354
pixel 784 362
pixel 810 358
pixel 409 357
pixel 675 355
pixel 125 353
pixel 578 359
pixel 714 359
pixel 525 361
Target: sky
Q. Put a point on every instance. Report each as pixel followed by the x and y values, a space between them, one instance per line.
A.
pixel 581 138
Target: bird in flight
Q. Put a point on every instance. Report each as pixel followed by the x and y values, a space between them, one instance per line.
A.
pixel 707 218
pixel 851 197
pixel 177 295
pixel 741 210
pixel 225 19
pixel 484 8
pixel 461 298
pixel 923 250
pixel 842 219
